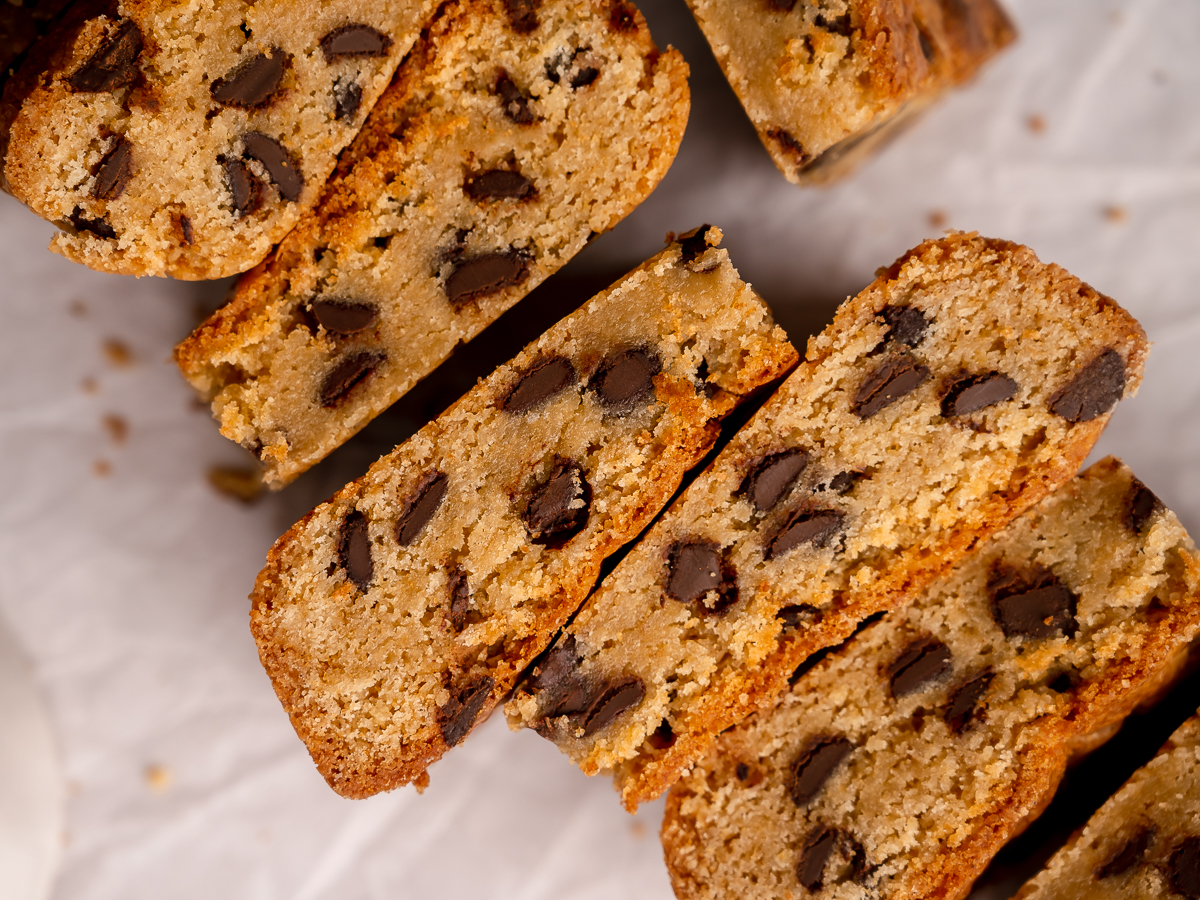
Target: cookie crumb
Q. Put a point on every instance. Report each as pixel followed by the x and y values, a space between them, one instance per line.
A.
pixel 242 483
pixel 938 219
pixel 1115 214
pixel 421 782
pixel 90 386
pixel 637 829
pixel 78 309
pixel 117 428
pixel 1036 124
pixel 118 353
pixel 158 778
pixel 102 468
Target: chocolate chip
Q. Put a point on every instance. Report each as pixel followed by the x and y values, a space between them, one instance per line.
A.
pixel 252 82
pixel 185 227
pixel 814 765
pixel 462 709
pixel 243 186
pixel 114 65
pixel 889 382
pixel 806 526
pixel 547 378
pixel 354 550
pixel 961 710
pixel 1092 392
pixel 1032 605
pixel 420 508
pixel 771 478
pixel 584 76
pixel 98 226
pixel 277 161
pixel 741 771
pixel 1185 868
pixel 695 570
pixel 622 19
pixel 498 184
pixel 663 737
pixel 837 24
pixel 522 15
pixel 348 374
pixel 344 316
pixel 921 662
pixel 906 324
pixel 927 49
pixel 460 599
pixel 818 847
pixel 797 614
pixel 693 244
pixel 1064 681
pixel 556 681
pixel 844 482
pixel 114 171
pixel 513 100
pixel 790 146
pixel 485 274
pixel 977 392
pixel 354 40
pixel 347 97
pixel 613 700
pixel 1131 853
pixel 1141 507
pixel 625 380
pixel 558 509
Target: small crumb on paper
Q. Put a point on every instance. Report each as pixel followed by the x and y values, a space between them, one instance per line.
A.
pixel 938 219
pixel 78 309
pixel 158 778
pixel 118 353
pixel 239 482
pixel 90 386
pixel 1115 214
pixel 638 829
pixel 1036 124
pixel 421 782
pixel 102 468
pixel 117 428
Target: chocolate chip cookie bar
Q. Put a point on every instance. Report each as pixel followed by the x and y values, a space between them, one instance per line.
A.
pixel 186 138
pixel 394 617
pixel 898 765
pixel 826 82
pixel 963 385
pixel 1144 843
pixel 502 147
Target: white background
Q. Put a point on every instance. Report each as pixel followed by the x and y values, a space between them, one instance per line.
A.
pixel 128 591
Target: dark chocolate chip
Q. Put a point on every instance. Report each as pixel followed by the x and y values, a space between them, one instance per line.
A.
pixel 814 765
pixel 741 771
pixel 556 681
pixel 277 161
pixel 663 737
pixel 420 507
pixel 838 24
pixel 1184 868
pixel 927 49
pixel 622 18
pixel 796 615
pixel 1035 605
pixel 977 392
pixel 1092 392
pixel 890 381
pixel 355 39
pixel 1129 855
pixel 462 709
pixel 626 380
pixel 1064 681
pixel 347 98
pixel 513 100
pixel 613 700
pixel 247 194
pixel 460 598
pixel 354 550
pixel 906 324
pixel 790 146
pixel 694 568
pixel 558 509
pixel 348 374
pixel 584 76
pixel 344 316
pixel 185 227
pixel 920 663
pixel 114 65
pixel 1142 507
pixel 962 708
pixel 522 15
pixel 844 482
pixel 818 847
pixel 771 478
pixel 498 184
pixel 807 526
pixel 485 274
pixel 693 244
pixel 547 378
pixel 98 226
pixel 114 171
pixel 252 82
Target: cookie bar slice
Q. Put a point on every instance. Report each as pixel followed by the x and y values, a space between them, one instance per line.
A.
pixel 963 385
pixel 395 616
pixel 898 765
pixel 1144 843
pixel 493 158
pixel 825 82
pixel 186 138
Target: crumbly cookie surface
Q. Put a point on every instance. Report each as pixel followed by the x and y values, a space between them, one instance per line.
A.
pixel 493 158
pixel 898 765
pixel 967 382
pixel 395 616
pixel 827 81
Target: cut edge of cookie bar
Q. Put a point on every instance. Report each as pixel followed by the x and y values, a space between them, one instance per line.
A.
pixel 843 77
pixel 713 344
pixel 744 652
pixel 404 222
pixel 1130 577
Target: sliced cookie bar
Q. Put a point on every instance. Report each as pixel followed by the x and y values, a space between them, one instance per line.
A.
pixel 496 154
pixel 394 617
pixel 963 385
pixel 899 764
pixel 827 81
pixel 1144 843
pixel 186 138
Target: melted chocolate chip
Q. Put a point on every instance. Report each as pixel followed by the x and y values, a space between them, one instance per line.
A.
pixel 906 324
pixel 420 508
pixel 1141 507
pixel 961 710
pixel 498 184
pixel 547 378
pixel 622 19
pixel 838 24
pixel 613 700
pixel 344 316
pixel 663 737
pixel 98 226
pixel 185 227
pixel 558 510
pixel 741 771
pixel 926 45
pixel 485 274
pixel 354 550
pixel 844 482
pixel 693 244
pixel 792 147
pixel 889 382
pixel 814 765
pixel 807 526
pixel 1092 392
pixel 277 161
pixel 1184 868
pixel 1033 605
pixel 348 374
pixel 818 847
pixel 1132 852
pixel 522 15
pixel 556 681
pixel 771 478
pixel 462 709
pixel 513 100
pixel 243 186
pixel 797 614
pixel 347 98
pixel 695 570
pixel 253 82
pixel 920 663
pixel 626 380
pixel 460 599
pixel 977 392
pixel 354 40
pixel 114 171
pixel 114 65
pixel 583 76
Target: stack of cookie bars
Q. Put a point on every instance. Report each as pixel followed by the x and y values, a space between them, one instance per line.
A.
pixel 861 646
